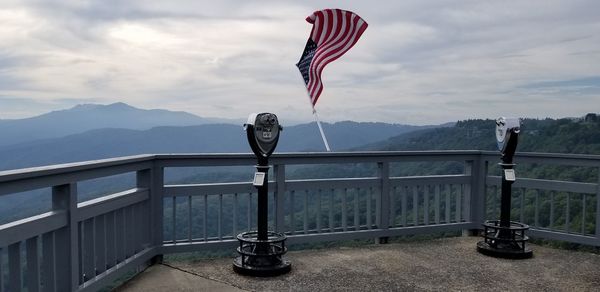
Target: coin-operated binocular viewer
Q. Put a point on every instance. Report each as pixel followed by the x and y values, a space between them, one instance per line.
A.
pixel 261 252
pixel 505 238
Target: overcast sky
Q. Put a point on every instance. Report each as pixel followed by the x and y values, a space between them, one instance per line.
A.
pixel 419 62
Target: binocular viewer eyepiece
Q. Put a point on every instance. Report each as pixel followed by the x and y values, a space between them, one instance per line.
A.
pixel 507 133
pixel 262 130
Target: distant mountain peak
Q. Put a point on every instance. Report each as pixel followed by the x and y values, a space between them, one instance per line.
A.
pixel 85 106
pixel 89 116
pixel 94 106
pixel 120 105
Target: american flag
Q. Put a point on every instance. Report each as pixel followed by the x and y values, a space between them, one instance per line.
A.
pixel 334 32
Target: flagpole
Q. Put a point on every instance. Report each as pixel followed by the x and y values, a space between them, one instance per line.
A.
pixel 321 129
pixel 317 119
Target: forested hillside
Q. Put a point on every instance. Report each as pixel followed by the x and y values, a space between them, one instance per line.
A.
pixel 565 135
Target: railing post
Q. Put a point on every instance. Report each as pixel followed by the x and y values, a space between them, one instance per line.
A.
pixel 598 208
pixel 279 194
pixel 478 171
pixel 382 208
pixel 156 210
pixel 64 197
pixel 144 180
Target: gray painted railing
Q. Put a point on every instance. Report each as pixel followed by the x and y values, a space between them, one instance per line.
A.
pixel 88 245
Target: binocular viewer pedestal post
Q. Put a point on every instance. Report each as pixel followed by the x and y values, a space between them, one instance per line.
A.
pixel 504 238
pixel 261 252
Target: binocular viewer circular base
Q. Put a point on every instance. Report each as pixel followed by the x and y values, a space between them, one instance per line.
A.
pixel 261 258
pixel 505 241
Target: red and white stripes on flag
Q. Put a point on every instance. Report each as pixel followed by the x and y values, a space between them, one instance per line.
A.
pixel 334 32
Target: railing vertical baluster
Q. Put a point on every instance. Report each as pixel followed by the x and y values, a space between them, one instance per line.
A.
pixel 292 213
pixel 110 240
pixel 204 222
pixel 33 268
pixel 88 249
pixel 279 197
pixel 144 226
pixel 404 207
pixel 498 194
pixel 80 252
pixel 47 262
pixel 489 202
pixel 249 216
pixel 369 214
pixel 132 230
pixel 189 218
pixel 220 218
pixel 344 210
pixel 2 270
pixel 415 204
pixel 136 212
pixel 100 244
pixel 120 235
pixel 567 220
pixel 331 228
pixel 426 204
pixel 457 213
pixel 466 202
pixel 14 267
pixel 598 208
pixel 583 207
pixel 522 205
pixel 319 211
pixel 437 204
pixel 537 208
pixel 174 219
pixel 374 194
pixel 393 199
pixel 356 216
pixel 551 225
pixel 305 212
pixel 235 217
pixel 466 192
pixel 448 190
pixel 147 224
pixel 64 197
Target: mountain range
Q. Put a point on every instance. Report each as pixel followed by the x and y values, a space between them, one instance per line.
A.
pixel 89 132
pixel 87 117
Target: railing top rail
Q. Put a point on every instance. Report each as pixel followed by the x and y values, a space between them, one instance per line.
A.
pixel 181 160
pixel 322 154
pixel 550 158
pixel 20 180
pixel 547 155
pixel 15 174
pixel 211 159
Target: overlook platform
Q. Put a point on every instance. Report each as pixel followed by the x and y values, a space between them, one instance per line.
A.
pixel 86 226
pixel 447 264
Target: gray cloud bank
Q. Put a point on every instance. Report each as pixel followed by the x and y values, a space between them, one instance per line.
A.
pixel 418 62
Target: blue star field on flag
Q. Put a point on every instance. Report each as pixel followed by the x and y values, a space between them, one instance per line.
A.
pixel 307 56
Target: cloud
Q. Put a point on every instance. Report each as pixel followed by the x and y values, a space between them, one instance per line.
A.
pixel 418 62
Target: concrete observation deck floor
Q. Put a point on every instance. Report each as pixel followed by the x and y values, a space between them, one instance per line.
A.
pixel 447 264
